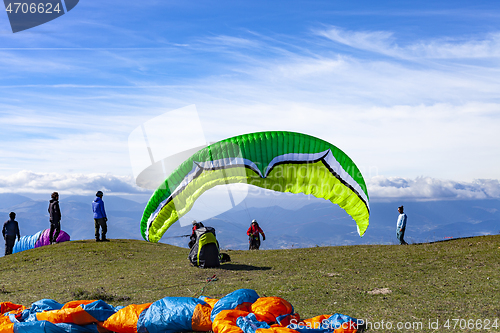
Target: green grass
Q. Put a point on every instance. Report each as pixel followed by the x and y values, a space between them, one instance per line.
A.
pixel 458 279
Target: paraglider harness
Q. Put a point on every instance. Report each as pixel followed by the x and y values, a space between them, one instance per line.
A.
pixel 205 250
pixel 254 241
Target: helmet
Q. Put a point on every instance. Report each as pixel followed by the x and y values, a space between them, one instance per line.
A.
pixel 194 222
pixel 99 194
pixel 254 221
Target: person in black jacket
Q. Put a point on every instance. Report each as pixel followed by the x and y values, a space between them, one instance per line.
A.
pixel 55 218
pixel 10 231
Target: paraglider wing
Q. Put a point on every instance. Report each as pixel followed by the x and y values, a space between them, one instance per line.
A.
pixel 41 238
pixel 279 161
pixel 26 242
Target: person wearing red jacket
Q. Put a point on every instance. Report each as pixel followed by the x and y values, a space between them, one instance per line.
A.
pixel 253 235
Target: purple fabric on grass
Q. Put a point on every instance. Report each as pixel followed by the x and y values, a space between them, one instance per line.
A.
pixel 44 238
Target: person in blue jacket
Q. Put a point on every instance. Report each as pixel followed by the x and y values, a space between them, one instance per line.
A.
pixel 100 218
pixel 10 231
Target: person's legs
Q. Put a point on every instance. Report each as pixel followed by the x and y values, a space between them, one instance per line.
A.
pixel 9 244
pixel 57 231
pixel 100 223
pixel 104 229
pixel 51 232
pixel 251 243
pixel 401 237
pixel 96 226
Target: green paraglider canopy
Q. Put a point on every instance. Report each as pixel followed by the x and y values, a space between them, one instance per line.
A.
pixel 276 160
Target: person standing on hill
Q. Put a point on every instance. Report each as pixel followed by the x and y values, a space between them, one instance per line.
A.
pixel 55 217
pixel 100 217
pixel 253 235
pixel 401 226
pixel 10 231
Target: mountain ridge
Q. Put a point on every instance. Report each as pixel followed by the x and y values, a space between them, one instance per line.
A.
pixel 314 223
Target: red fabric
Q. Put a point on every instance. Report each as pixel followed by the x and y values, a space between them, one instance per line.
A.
pixel 254 230
pixel 194 229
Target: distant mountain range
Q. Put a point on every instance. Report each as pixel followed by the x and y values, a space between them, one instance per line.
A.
pixel 286 222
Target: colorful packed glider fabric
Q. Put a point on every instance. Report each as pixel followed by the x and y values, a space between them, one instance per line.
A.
pixel 41 238
pixel 241 311
pixel 279 161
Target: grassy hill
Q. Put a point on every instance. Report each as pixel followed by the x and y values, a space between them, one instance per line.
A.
pixel 458 279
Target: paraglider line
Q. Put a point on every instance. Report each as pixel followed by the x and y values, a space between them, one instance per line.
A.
pixel 178 236
pixel 209 280
pixel 246 209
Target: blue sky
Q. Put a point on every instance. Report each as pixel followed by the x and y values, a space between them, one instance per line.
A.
pixel 410 90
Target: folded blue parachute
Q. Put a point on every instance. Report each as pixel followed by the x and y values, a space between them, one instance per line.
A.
pixel 241 311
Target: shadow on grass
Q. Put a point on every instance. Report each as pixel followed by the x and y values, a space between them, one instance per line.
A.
pixel 241 267
pixel 444 240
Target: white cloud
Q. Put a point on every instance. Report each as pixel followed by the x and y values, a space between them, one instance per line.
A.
pixel 393 118
pixel 380 188
pixel 36 182
pixel 488 47
pixel 427 188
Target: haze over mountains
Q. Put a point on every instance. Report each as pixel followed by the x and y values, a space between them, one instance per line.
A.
pixel 296 222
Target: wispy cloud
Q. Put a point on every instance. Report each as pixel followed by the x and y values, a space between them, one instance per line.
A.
pixel 231 41
pixel 384 42
pixel 375 41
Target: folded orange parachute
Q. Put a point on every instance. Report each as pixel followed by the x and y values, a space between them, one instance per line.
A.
pixel 241 311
